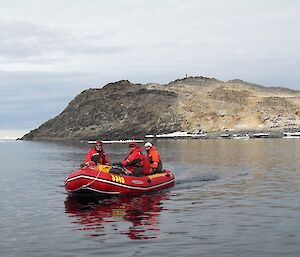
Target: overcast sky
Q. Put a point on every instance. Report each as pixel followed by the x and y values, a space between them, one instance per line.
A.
pixel 51 50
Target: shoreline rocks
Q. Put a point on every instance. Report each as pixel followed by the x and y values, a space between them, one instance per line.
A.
pixel 123 110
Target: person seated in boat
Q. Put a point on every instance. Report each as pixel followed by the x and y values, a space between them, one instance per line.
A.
pixel 96 155
pixel 153 161
pixel 134 161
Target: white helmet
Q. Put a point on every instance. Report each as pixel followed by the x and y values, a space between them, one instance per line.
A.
pixel 148 144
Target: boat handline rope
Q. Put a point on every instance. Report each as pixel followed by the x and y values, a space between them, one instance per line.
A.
pixel 92 180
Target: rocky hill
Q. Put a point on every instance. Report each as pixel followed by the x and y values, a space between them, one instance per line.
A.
pixel 123 110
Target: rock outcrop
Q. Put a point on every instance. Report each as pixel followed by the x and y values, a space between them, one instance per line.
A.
pixel 123 110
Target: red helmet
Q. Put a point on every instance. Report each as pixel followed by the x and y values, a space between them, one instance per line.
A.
pixel 98 142
pixel 133 144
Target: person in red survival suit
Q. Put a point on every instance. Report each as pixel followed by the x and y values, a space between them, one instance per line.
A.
pixel 96 155
pixel 134 161
pixel 153 160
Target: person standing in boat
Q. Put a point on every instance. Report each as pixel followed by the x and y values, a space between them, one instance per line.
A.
pixel 153 158
pixel 134 161
pixel 97 155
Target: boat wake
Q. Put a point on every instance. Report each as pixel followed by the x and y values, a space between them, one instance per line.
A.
pixel 200 178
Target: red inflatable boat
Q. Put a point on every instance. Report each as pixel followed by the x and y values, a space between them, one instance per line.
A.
pixel 106 180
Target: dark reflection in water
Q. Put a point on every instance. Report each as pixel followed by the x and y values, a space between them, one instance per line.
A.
pixel 142 213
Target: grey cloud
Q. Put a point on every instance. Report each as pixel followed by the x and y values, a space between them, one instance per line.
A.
pixel 22 41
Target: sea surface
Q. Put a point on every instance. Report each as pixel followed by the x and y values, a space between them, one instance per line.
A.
pixel 231 198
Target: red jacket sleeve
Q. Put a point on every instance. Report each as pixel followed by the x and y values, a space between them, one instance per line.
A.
pixel 89 156
pixel 131 158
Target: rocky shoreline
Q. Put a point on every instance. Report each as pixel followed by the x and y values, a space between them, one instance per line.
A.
pixel 244 134
pixel 230 134
pixel 123 110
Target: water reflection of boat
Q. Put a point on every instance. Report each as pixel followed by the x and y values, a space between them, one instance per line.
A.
pixel 103 181
pixel 98 216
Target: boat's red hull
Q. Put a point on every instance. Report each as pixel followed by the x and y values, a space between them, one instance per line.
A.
pixel 104 183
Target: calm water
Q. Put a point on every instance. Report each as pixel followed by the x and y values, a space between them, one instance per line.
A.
pixel 231 198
